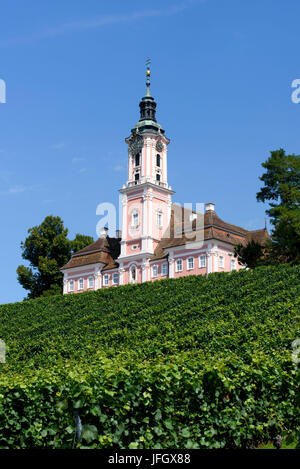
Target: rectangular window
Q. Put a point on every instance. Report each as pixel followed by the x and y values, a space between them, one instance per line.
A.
pixel 179 265
pixel 190 263
pixel 80 284
pixel 159 219
pixel 137 160
pixel 221 262
pixel 71 285
pixel 158 177
pixel 91 282
pixel 158 160
pixel 154 271
pixel 137 177
pixel 202 261
pixel 115 279
pixel 164 269
pixel 106 280
pixel 233 264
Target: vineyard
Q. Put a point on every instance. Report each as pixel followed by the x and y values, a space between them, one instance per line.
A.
pixel 188 363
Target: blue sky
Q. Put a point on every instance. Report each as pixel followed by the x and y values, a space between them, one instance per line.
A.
pixel 74 71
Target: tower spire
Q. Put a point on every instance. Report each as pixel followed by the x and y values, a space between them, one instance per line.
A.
pixel 148 73
pixel 147 104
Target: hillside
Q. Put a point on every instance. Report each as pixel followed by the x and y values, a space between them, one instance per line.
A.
pixel 193 361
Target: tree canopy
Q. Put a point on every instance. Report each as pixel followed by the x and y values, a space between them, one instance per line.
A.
pixel 249 255
pixel 282 191
pixel 47 249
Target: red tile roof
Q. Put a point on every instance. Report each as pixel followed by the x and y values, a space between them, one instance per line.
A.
pixel 106 250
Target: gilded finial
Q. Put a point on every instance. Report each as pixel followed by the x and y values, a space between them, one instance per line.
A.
pixel 148 73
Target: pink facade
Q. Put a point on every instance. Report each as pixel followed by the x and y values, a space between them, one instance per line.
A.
pixel 148 249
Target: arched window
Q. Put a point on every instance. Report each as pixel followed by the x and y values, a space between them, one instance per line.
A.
pixel 135 219
pixel 133 274
pixel 158 159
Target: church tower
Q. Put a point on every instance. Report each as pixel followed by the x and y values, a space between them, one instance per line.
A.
pixel 146 196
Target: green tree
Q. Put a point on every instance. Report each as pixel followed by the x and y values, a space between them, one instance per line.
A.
pixel 80 241
pixel 282 191
pixel 249 255
pixel 47 249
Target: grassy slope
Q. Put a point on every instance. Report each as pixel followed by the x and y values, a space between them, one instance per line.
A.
pixel 233 313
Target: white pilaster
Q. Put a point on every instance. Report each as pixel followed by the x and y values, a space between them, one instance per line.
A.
pixel 165 180
pixel 121 275
pixel 153 158
pixel 171 265
pixel 150 241
pixel 124 224
pixel 216 259
pixel 148 157
pixel 209 262
pixel 129 167
pixel 145 267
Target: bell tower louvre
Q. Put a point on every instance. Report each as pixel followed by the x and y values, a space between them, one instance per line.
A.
pixel 149 247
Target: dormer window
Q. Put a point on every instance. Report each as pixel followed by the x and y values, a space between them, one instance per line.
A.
pixel 158 160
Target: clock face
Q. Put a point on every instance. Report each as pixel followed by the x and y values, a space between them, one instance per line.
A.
pixel 136 143
pixel 159 146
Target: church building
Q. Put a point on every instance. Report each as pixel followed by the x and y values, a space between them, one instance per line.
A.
pixel 158 239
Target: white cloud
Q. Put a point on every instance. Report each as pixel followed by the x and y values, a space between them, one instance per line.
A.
pixel 94 23
pixel 118 168
pixel 47 201
pixel 14 190
pixel 58 146
pixel 77 160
